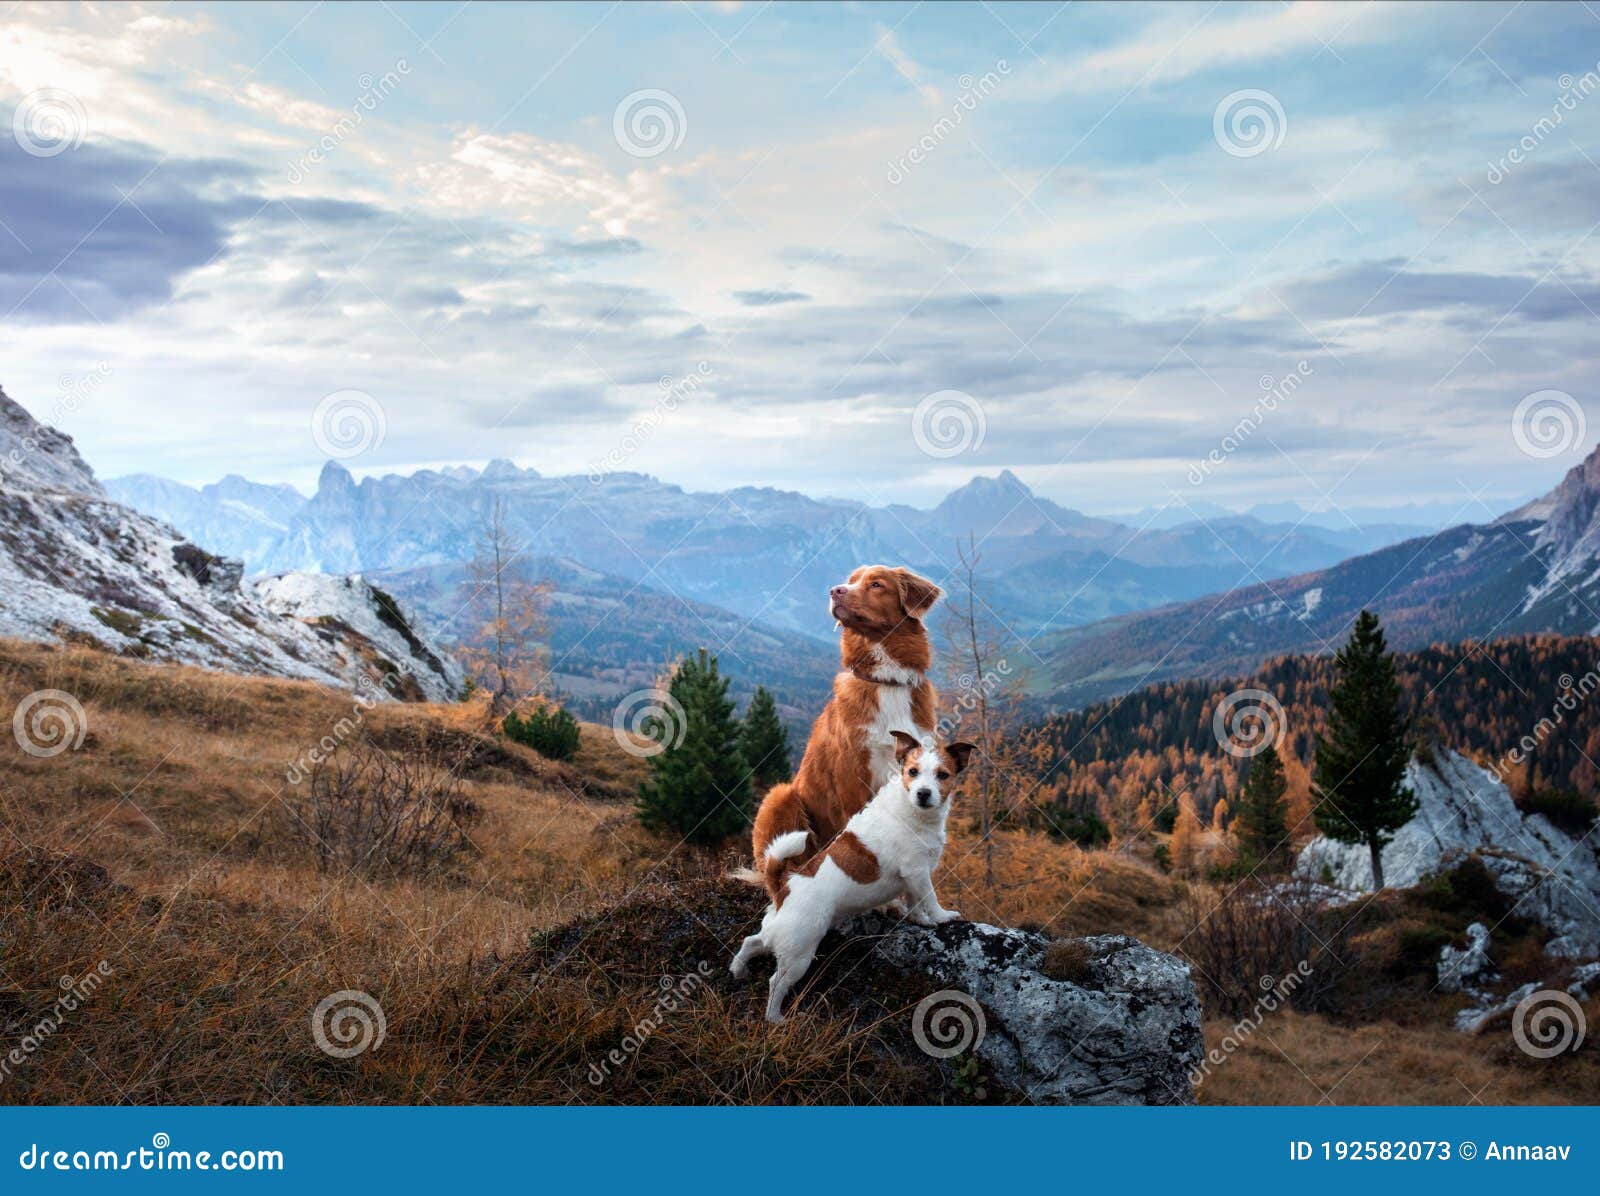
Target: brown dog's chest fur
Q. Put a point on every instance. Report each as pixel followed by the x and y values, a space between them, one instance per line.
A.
pixel 835 778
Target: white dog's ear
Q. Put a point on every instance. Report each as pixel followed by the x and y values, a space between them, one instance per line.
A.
pixel 917 594
pixel 904 744
pixel 958 753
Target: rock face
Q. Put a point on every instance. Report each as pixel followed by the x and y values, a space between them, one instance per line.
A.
pixel 1462 809
pixel 1126 1031
pixel 1119 1026
pixel 75 565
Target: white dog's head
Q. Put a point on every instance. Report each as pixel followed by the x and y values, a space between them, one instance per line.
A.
pixel 928 770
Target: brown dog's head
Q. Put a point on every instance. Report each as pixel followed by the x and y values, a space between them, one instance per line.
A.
pixel 878 598
pixel 928 771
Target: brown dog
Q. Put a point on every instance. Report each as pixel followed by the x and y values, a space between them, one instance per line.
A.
pixel 883 688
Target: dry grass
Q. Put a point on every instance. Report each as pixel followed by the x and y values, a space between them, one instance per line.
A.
pixel 1300 1059
pixel 158 847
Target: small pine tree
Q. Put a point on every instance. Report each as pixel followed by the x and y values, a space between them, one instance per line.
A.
pixel 765 741
pixel 699 785
pixel 548 729
pixel 1359 782
pixel 1261 819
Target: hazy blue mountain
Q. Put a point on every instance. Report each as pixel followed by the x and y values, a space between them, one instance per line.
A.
pixel 1536 568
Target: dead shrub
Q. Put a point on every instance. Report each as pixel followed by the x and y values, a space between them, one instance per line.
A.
pixel 1251 938
pixel 382 814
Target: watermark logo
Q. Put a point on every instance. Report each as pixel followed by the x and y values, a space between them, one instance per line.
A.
pixel 672 996
pixel 1249 122
pixel 75 993
pixel 948 423
pixel 1548 1023
pixel 1573 92
pixel 947 1023
pixel 348 423
pixel 48 722
pixel 1548 423
pixel 373 92
pixel 652 715
pixel 1274 391
pixel 348 1023
pixel 973 90
pixel 650 122
pixel 49 122
pixel 673 393
pixel 1247 722
pixel 1275 995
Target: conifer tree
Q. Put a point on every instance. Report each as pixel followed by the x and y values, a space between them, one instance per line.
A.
pixel 765 741
pixel 1260 822
pixel 1359 782
pixel 699 784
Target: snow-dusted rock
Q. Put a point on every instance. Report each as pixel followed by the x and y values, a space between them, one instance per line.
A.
pixel 1462 809
pixel 1467 967
pixel 76 565
pixel 352 603
pixel 1124 1032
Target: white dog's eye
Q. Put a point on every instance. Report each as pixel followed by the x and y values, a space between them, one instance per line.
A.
pixel 912 773
pixel 942 775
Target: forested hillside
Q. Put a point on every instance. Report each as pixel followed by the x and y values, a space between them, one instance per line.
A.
pixel 1128 759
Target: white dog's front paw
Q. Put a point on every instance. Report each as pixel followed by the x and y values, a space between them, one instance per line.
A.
pixel 946 915
pixel 739 968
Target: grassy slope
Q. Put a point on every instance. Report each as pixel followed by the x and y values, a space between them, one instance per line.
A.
pixel 161 847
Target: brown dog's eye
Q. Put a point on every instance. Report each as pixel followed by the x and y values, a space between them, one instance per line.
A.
pixel 877 585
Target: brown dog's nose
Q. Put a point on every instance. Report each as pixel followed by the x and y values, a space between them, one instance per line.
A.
pixel 839 591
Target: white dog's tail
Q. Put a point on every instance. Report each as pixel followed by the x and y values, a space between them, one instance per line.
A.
pixel 784 847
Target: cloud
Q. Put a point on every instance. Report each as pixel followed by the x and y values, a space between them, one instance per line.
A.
pixel 888 46
pixel 541 181
pixel 770 298
pixel 1192 42
pixel 1388 288
pixel 93 233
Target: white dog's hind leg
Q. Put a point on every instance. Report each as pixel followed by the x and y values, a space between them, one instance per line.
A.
pixel 791 968
pixel 753 946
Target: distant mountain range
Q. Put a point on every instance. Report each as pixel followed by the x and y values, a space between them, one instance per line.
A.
pixel 1536 568
pixel 764 555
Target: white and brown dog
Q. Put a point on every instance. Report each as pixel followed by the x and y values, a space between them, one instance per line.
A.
pixel 886 852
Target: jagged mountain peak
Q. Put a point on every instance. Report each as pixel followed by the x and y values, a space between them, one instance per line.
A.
pixel 34 455
pixel 500 469
pixel 334 478
pixel 1568 511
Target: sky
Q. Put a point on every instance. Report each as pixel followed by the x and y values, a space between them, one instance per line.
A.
pixel 1340 255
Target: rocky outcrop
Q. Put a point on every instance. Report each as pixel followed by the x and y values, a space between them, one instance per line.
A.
pixel 1468 968
pixel 1463 810
pixel 75 565
pixel 1123 1030
pixel 1102 1020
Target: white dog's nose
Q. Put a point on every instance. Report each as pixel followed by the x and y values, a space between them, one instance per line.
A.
pixel 924 797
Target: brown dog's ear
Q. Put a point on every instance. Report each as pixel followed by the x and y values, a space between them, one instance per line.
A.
pixel 958 753
pixel 917 594
pixel 904 744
